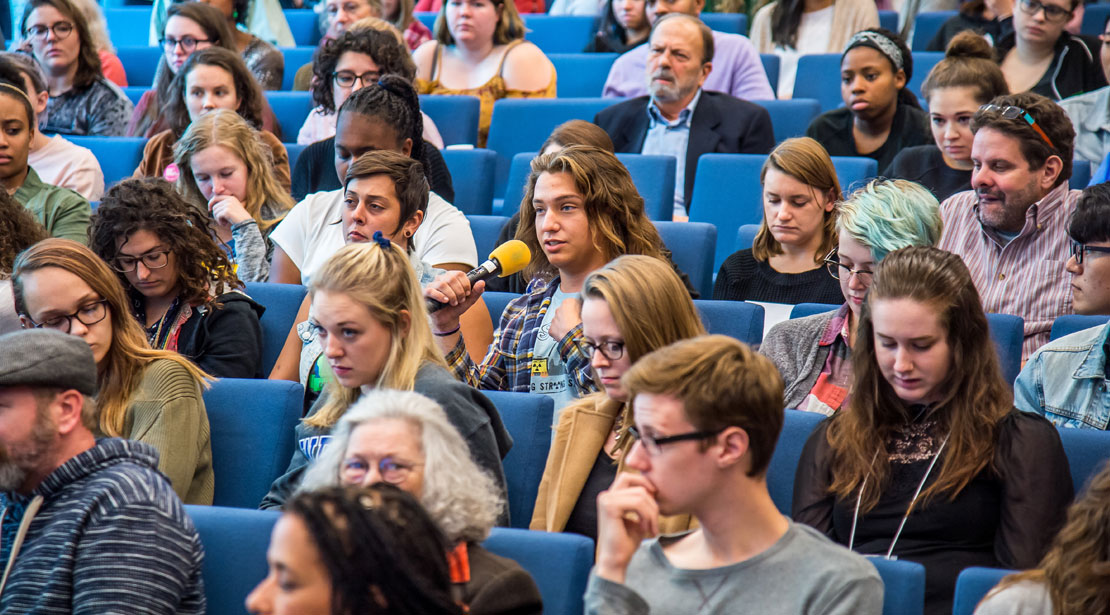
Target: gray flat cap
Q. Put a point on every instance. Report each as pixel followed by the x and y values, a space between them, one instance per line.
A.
pixel 39 357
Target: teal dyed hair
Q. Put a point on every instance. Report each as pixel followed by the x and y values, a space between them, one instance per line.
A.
pixel 890 214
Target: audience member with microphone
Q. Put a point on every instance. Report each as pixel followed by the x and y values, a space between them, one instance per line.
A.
pixel 580 210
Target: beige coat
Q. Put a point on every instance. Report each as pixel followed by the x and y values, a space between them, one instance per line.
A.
pixel 849 17
pixel 582 430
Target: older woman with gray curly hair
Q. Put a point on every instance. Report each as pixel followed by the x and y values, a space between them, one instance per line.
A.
pixel 405 439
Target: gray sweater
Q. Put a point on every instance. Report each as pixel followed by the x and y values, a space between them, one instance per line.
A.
pixel 803 573
pixel 792 347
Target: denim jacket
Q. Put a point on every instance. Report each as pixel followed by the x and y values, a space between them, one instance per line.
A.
pixel 1065 380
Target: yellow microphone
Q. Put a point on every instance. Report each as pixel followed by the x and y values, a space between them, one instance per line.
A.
pixel 505 260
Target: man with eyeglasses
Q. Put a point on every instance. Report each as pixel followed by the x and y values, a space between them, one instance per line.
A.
pixel 89 524
pixel 1039 56
pixel 708 412
pixel 1010 228
pixel 1065 380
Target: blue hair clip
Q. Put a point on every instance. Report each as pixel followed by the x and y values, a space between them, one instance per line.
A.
pixel 382 240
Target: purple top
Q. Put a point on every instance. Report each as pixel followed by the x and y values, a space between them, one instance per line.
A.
pixel 737 70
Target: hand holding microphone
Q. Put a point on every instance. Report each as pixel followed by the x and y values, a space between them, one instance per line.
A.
pixel 454 289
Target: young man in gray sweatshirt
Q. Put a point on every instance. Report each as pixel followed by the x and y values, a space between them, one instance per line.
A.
pixel 708 412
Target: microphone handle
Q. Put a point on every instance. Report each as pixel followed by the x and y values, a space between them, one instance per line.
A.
pixel 484 271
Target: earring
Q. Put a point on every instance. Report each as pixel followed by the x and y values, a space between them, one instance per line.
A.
pixel 408 234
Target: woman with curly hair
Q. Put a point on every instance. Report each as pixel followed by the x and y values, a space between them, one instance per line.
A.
pixel 182 288
pixel 930 462
pixel 1074 577
pixel 405 439
pixel 212 78
pixel 151 396
pixel 18 231
pixel 227 170
pixel 372 551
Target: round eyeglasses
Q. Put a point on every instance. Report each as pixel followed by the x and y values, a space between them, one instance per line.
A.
pixel 188 43
pixel 837 269
pixel 151 260
pixel 354 470
pixel 61 30
pixel 88 315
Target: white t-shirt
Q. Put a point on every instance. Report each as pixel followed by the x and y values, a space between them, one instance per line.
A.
pixel 576 7
pixel 813 37
pixel 312 231
pixel 549 372
pixel 65 164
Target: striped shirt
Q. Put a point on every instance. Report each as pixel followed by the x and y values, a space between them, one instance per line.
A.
pixel 111 537
pixel 1024 277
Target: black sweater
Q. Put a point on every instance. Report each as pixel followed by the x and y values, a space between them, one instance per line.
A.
pixel 833 129
pixel 315 171
pixel 994 28
pixel 225 341
pixel 1075 67
pixel 742 278
pixel 925 165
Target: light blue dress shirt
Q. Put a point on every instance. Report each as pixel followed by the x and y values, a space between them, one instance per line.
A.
pixel 666 138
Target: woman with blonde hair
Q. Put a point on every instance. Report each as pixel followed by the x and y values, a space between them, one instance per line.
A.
pixel 482 42
pixel 152 396
pixel 786 262
pixel 1074 576
pixel 630 307
pixel 369 316
pixel 406 439
pixel 814 353
pixel 226 167
pixel 930 462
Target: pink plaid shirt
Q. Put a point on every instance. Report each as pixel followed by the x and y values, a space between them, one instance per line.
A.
pixel 1024 277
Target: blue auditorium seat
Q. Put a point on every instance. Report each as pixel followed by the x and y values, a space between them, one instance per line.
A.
pixel 282 302
pixel 140 63
pixel 784 462
pixel 733 23
pixel 305 26
pixel 428 18
pixel 972 585
pixel 295 57
pixel 235 542
pixel 291 109
pixel 118 156
pixel 559 33
pixel 486 229
pixel 923 62
pixel 528 419
pixel 1087 451
pixel 456 117
pixel 1095 15
pixel 128 26
pixel 818 77
pixel 134 94
pixel 772 65
pixel 472 171
pixel 737 319
pixel 1080 174
pixel 809 309
pixel 252 423
pixel 903 585
pixel 560 563
pixel 888 20
pixel 854 171
pixel 1072 323
pixel 790 118
pixel 691 245
pixel 294 151
pixel 745 236
pixel 926 26
pixel 1008 333
pixel 496 303
pixel 581 74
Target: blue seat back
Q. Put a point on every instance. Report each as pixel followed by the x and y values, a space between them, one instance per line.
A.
pixel 517 181
pixel 790 118
pixel 235 542
pixel 923 62
pixel 854 171
pixel 486 229
pixel 528 418
pixel 472 172
pixel 581 75
pixel 772 65
pixel 692 245
pixel 818 77
pixel 523 124
pixel 1080 174
pixel 252 423
pixel 736 319
pixel 294 151
pixel 1072 323
pixel 926 26
pixel 295 58
pixel 733 23
pixel 560 564
pixel 559 33
pixel 809 309
pixel 903 586
pixel 1095 15
pixel 745 236
pixel 134 94
pixel 118 156
pixel 972 585
pixel 127 26
pixel 1008 333
pixel 456 117
pixel 889 20
pixel 291 109
pixel 140 63
pixel 282 302
pixel 1087 451
pixel 796 428
pixel 305 26
pixel 496 303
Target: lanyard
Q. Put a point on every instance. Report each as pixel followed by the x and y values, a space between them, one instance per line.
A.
pixel 905 517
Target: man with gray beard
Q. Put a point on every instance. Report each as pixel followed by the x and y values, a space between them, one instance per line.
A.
pixel 87 525
pixel 677 118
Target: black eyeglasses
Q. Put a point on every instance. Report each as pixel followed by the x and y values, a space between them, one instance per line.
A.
pixel 1052 12
pixel 654 445
pixel 1079 251
pixel 188 43
pixel 837 269
pixel 61 30
pixel 610 350
pixel 346 78
pixel 151 260
pixel 1013 113
pixel 88 315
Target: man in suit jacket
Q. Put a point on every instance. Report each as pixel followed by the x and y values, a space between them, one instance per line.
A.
pixel 680 119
